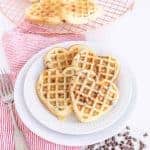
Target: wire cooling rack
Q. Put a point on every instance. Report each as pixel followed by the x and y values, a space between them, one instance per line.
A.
pixel 113 9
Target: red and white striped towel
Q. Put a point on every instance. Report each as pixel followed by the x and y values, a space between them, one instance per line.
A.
pixel 19 46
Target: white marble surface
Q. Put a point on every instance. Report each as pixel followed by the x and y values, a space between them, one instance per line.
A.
pixel 131 35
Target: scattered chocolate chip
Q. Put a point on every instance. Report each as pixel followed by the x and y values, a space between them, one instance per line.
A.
pixel 145 134
pixel 134 139
pixel 90 147
pixel 119 134
pixel 142 145
pixel 113 138
pixel 127 127
pixel 130 137
pixel 121 141
pixel 126 134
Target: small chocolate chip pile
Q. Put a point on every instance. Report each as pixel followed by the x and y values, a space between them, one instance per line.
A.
pixel 121 141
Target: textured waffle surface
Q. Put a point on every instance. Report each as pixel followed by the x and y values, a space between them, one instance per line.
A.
pixel 53 89
pixel 90 97
pixel 45 12
pixel 106 67
pixel 81 11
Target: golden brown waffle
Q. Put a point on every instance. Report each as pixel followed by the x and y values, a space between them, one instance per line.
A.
pixel 106 67
pixel 45 12
pixel 81 11
pixel 90 97
pixel 74 50
pixel 57 58
pixel 53 90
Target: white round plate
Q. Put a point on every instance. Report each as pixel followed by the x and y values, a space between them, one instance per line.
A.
pixel 50 135
pixel 72 125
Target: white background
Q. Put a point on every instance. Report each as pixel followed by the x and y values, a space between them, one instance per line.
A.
pixel 131 35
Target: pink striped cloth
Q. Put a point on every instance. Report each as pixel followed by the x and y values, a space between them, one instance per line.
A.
pixel 19 46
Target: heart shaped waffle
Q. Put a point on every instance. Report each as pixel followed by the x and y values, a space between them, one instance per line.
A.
pixel 53 90
pixel 105 67
pixel 91 98
pixel 81 11
pixel 45 12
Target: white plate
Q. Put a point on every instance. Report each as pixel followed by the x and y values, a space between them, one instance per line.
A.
pixel 56 137
pixel 72 125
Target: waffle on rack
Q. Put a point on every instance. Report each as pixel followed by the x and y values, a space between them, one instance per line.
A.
pixel 54 12
pixel 77 80
pixel 81 11
pixel 45 12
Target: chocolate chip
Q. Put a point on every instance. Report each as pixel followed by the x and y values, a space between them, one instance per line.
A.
pixel 142 145
pixel 119 134
pixel 91 147
pixel 126 134
pixel 145 134
pixel 134 139
pixel 122 141
pixel 113 138
pixel 127 127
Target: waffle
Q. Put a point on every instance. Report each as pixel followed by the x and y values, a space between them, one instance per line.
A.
pixel 81 11
pixel 106 67
pixel 53 91
pixel 45 12
pixel 57 58
pixel 90 97
pixel 74 50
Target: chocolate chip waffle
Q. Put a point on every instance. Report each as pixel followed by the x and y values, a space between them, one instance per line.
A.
pixel 90 97
pixel 53 90
pixel 81 11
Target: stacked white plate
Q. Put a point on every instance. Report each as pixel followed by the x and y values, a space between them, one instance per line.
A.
pixel 71 132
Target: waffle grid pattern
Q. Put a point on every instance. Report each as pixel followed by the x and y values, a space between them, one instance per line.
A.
pixel 53 89
pixel 106 65
pixel 98 96
pixel 109 68
pixel 113 9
